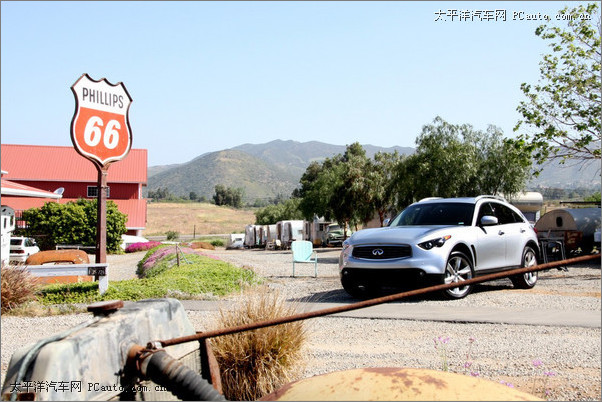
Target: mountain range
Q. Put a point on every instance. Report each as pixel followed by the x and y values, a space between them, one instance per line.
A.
pixel 267 170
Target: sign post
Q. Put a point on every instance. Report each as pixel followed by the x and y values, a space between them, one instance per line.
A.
pixel 100 132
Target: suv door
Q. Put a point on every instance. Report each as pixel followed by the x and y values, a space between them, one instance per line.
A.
pixel 514 228
pixel 490 245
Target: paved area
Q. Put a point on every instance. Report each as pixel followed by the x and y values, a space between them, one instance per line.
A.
pixel 557 318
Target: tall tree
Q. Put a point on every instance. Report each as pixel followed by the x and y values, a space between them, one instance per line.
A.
pixel 382 182
pixel 319 183
pixel 564 108
pixel 350 201
pixel 457 160
pixel 228 196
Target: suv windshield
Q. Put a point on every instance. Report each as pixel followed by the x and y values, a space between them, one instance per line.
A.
pixel 445 213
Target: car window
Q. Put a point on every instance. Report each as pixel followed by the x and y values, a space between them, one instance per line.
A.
pixel 446 213
pixel 505 215
pixel 486 209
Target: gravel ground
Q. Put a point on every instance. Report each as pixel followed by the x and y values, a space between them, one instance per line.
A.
pixel 499 352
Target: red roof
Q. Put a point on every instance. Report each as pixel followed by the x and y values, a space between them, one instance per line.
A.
pixel 25 162
pixel 9 188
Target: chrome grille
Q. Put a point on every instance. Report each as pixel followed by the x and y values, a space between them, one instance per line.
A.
pixel 382 252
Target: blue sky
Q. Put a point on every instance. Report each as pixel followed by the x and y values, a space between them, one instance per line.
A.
pixel 207 76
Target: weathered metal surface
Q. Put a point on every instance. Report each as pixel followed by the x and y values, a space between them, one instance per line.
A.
pixel 105 307
pixel 396 384
pixel 58 256
pixel 89 364
pixel 371 302
pixel 210 366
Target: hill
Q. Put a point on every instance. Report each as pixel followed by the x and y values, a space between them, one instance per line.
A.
pixel 294 156
pixel 230 168
pixel 262 170
pixel 267 170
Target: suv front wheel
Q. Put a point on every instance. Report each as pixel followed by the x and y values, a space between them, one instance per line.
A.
pixel 356 288
pixel 457 270
pixel 529 279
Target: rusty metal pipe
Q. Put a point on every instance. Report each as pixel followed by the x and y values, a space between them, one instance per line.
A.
pixel 371 302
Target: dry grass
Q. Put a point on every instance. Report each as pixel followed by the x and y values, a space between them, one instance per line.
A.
pixel 255 363
pixel 202 218
pixel 18 287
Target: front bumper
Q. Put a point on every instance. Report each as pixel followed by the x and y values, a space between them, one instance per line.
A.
pixel 431 262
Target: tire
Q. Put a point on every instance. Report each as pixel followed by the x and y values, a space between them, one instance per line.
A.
pixel 357 289
pixel 458 269
pixel 528 280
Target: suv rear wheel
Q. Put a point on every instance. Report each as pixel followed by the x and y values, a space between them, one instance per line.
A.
pixel 457 270
pixel 528 280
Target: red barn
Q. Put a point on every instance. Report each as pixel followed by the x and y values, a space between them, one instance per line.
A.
pixel 51 168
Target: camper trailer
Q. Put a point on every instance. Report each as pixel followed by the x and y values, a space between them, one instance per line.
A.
pixel 250 236
pixel 573 227
pixel 8 226
pixel 290 231
pixel 317 231
pixel 261 235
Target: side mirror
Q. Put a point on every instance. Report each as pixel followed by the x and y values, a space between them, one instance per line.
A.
pixel 386 222
pixel 488 220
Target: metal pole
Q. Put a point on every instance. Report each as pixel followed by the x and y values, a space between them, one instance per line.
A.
pixel 367 303
pixel 101 221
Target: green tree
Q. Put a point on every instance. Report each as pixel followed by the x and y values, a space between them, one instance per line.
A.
pixel 287 210
pixel 564 108
pixel 457 160
pixel 380 174
pixel 74 223
pixel 338 188
pixel 318 185
pixel 351 201
pixel 228 196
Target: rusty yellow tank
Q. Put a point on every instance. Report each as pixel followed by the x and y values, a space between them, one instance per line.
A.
pixel 396 384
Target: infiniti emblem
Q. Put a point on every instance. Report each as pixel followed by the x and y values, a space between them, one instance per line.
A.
pixel 378 251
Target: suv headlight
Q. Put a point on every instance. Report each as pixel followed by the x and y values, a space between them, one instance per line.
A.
pixel 439 242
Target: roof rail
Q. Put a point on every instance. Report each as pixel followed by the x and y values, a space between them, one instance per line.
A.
pixel 430 198
pixel 495 197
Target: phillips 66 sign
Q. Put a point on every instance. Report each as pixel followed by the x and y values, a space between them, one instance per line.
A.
pixel 100 128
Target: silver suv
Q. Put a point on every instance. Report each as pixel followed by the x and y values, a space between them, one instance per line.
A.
pixel 436 241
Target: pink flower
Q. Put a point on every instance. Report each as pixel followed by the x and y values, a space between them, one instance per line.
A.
pixel 537 362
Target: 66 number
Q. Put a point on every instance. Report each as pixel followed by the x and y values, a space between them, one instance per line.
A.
pixel 93 133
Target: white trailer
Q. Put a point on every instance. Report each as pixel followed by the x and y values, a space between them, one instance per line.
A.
pixel 291 231
pixel 250 238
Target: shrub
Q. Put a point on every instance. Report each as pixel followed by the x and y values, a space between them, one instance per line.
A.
pixel 255 363
pixel 217 243
pixel 149 254
pixel 172 235
pixel 74 223
pixel 18 287
pixel 143 246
